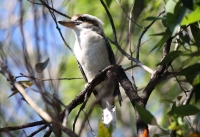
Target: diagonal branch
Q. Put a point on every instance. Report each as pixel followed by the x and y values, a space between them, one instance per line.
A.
pixel 159 75
pixel 12 128
pixel 115 42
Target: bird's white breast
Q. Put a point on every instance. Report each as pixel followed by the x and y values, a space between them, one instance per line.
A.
pixel 91 52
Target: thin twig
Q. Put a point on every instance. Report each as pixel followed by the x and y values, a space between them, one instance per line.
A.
pixel 12 128
pixel 41 112
pixel 40 79
pixel 179 83
pixel 33 2
pixel 47 6
pixel 132 66
pixel 142 34
pixel 130 18
pixel 89 124
pixel 37 131
pixel 55 20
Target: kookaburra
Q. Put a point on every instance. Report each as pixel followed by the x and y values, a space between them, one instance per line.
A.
pixel 93 53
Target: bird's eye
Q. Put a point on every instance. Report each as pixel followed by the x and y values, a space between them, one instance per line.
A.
pixel 82 19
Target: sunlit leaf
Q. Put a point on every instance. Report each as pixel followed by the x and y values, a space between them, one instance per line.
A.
pixel 161 42
pixel 24 84
pixel 170 57
pixel 170 6
pixel 145 115
pixel 103 131
pixel 166 101
pixel 184 110
pixel 154 18
pixel 191 18
pixel 175 14
pixel 158 34
pixel 41 66
pixel 196 80
pixel 15 91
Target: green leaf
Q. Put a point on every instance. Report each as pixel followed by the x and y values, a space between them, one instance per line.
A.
pixel 161 42
pixel 103 131
pixel 193 54
pixel 41 66
pixel 191 18
pixel 197 92
pixel 165 35
pixel 145 115
pixel 154 18
pixel 175 14
pixel 166 101
pixel 24 84
pixel 170 6
pixel 196 80
pixel 195 29
pixel 193 69
pixel 185 38
pixel 158 34
pixel 170 57
pixel 108 2
pixel 172 109
pixel 190 72
pixel 188 3
pixel 184 110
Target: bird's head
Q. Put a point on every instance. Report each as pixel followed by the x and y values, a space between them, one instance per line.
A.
pixel 83 21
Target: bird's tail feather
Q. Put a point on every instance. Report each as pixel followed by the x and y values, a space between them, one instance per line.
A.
pixel 109 116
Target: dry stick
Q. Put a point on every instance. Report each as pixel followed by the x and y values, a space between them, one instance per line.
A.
pixel 41 112
pixel 37 131
pixel 87 115
pixel 39 79
pixel 179 83
pixel 89 124
pixel 12 128
pixel 77 115
pixel 50 8
pixel 54 18
pixel 160 74
pixel 142 34
pixel 48 133
pixel 115 42
pixel 34 2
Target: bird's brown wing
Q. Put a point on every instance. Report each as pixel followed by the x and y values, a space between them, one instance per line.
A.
pixel 112 61
pixel 82 71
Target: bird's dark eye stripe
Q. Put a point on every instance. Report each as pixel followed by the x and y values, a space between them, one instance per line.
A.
pixel 82 19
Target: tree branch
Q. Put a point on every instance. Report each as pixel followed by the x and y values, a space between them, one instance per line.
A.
pixel 12 128
pixel 115 42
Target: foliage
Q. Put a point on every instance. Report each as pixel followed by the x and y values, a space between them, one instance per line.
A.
pixel 166 39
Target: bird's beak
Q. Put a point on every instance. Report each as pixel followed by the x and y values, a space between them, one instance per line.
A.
pixel 69 24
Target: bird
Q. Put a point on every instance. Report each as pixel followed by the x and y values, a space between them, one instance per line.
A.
pixel 94 53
